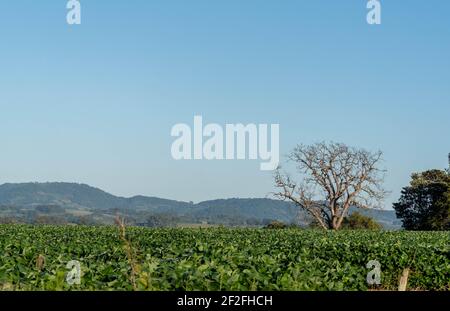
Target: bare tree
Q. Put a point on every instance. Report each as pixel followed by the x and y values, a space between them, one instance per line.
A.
pixel 334 177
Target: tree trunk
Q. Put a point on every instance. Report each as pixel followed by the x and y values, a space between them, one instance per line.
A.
pixel 335 224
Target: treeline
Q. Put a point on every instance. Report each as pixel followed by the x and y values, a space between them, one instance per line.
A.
pixel 425 203
pixel 57 215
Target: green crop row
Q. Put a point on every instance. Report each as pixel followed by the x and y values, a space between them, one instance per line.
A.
pixel 36 257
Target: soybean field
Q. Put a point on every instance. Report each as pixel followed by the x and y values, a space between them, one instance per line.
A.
pixel 108 258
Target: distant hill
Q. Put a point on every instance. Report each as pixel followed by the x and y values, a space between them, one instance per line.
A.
pixel 64 194
pixel 72 202
pixel 72 195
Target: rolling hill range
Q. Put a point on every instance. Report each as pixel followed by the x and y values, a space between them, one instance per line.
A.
pixel 80 203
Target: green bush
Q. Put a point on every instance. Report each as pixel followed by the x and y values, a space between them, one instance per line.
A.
pixel 276 225
pixel 359 221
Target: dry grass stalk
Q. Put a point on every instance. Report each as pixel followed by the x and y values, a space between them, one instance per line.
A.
pixel 40 262
pixel 128 250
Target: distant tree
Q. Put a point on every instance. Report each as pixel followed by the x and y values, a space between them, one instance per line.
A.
pixel 154 221
pixel 334 178
pixel 425 203
pixel 358 221
pixel 161 220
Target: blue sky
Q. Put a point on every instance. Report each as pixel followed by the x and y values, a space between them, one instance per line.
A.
pixel 95 103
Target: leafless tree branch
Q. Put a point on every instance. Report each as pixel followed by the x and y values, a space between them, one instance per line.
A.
pixel 335 177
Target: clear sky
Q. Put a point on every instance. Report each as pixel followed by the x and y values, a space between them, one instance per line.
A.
pixel 95 103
